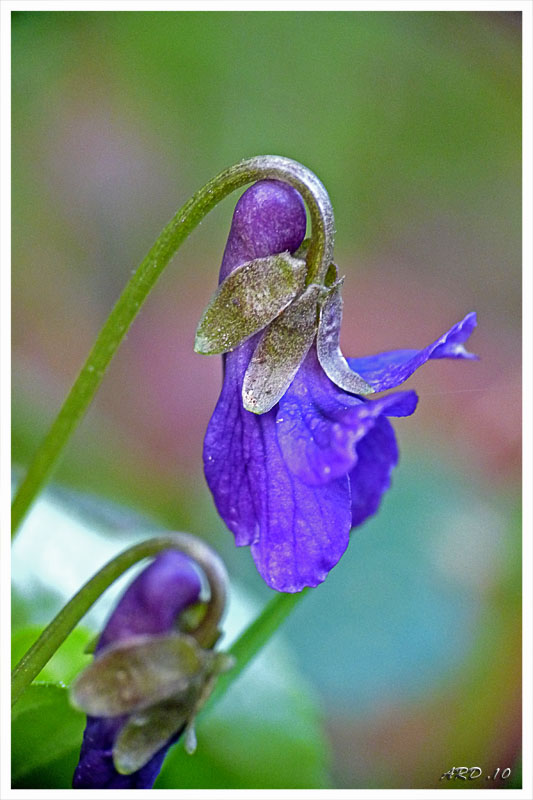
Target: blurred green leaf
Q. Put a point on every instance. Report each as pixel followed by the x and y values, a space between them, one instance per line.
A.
pixel 44 728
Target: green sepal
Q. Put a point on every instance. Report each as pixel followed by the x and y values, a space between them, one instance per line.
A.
pixel 327 341
pixel 191 617
pixel 147 731
pixel 138 673
pixel 302 250
pixel 332 275
pixel 280 351
pixel 248 300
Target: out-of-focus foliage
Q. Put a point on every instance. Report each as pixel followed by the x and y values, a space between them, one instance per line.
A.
pixel 412 120
pixel 45 730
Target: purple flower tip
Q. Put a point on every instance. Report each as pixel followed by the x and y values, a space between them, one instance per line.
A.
pixel 151 605
pixel 292 482
pixel 268 218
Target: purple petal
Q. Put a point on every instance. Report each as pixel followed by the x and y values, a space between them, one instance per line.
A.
pixel 377 455
pixel 96 769
pixel 231 436
pixel 387 370
pixel 401 404
pixel 319 425
pixel 297 532
pixel 269 218
pixel 304 529
pixel 153 601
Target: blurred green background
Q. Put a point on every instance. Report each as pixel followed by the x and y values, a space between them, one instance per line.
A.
pixel 410 651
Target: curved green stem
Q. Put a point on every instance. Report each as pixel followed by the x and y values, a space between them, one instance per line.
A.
pixel 254 637
pixel 137 289
pixel 57 631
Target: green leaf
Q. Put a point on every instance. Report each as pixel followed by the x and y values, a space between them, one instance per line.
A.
pixel 280 351
pixel 139 672
pixel 44 728
pixel 248 300
pixel 327 345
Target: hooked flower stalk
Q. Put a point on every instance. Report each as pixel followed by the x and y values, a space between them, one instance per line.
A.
pixel 150 676
pixel 296 453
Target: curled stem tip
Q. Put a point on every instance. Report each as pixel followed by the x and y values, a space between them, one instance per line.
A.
pixel 57 631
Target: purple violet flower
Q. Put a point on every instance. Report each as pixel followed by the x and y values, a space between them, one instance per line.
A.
pixel 150 605
pixel 293 481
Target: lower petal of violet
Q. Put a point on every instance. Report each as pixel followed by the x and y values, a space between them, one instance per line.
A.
pixel 297 532
pixel 304 530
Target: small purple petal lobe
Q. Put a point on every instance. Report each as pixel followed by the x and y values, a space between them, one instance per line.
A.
pixel 150 605
pixel 319 425
pixel 452 346
pixel 377 455
pixel 387 370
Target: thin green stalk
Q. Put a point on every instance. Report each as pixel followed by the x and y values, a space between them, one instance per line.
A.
pixel 255 637
pixel 57 631
pixel 139 286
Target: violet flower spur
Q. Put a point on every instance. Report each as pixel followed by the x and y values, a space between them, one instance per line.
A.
pixel 291 482
pixel 150 606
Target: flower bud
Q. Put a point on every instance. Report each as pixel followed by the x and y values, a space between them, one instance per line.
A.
pixel 147 681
